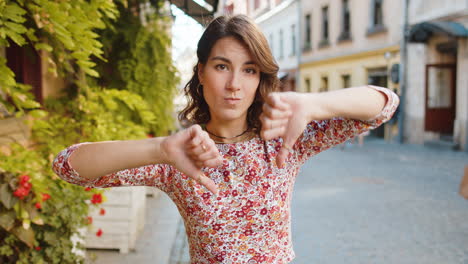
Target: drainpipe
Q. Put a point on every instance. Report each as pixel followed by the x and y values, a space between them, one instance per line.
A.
pixel 403 71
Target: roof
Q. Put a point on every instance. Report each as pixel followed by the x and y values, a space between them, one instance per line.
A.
pixel 423 31
pixel 201 12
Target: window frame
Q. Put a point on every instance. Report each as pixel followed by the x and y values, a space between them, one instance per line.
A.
pixel 308 32
pixel 345 21
pixel 325 29
pixel 378 27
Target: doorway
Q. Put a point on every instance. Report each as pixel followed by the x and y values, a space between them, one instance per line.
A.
pixel 440 98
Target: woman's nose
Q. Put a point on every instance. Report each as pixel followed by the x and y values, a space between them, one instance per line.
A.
pixel 235 82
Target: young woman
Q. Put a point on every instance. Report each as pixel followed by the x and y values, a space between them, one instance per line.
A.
pixel 231 173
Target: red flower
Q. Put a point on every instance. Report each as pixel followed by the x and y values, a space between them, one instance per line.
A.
pixel 88 189
pixel 102 211
pixel 45 197
pixel 97 198
pixel 89 220
pixel 99 232
pixel 149 135
pixel 263 211
pixel 26 185
pixel 206 196
pixel 248 232
pixel 24 178
pixel 37 248
pixel 21 192
pixel 38 205
pixel 240 214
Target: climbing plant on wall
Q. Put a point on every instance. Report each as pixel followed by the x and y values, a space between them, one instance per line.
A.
pixel 39 213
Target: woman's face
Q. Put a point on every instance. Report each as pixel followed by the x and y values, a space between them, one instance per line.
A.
pixel 230 79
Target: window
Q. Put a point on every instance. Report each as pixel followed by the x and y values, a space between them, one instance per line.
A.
pixel 324 84
pixel 281 44
pixel 346 79
pixel 307 85
pixel 376 17
pixel 324 41
pixel 345 21
pixel 307 43
pixel 293 40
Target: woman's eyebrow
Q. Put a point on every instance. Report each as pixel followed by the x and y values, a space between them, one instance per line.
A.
pixel 221 58
pixel 229 61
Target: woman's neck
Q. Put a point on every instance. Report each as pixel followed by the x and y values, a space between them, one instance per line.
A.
pixel 226 129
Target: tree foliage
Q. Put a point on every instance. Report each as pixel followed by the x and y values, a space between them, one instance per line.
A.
pixel 120 84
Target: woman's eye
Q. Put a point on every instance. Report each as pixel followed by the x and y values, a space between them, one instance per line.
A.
pixel 251 71
pixel 221 67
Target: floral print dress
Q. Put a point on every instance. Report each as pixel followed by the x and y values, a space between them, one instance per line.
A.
pixel 249 220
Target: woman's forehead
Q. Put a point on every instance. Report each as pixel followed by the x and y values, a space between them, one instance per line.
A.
pixel 232 49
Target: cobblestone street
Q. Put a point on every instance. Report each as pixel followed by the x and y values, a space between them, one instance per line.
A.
pixel 382 203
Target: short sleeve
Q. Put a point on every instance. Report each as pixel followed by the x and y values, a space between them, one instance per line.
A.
pixel 324 134
pixel 157 175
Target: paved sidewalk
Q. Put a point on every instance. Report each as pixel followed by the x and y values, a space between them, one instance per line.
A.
pixel 382 203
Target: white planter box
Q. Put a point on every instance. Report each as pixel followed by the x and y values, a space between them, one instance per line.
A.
pixel 123 221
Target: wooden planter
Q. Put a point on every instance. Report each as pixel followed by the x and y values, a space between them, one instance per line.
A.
pixel 122 222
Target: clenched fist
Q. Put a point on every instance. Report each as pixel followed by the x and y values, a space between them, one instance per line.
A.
pixel 191 149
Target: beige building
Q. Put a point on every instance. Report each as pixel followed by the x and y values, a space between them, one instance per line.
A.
pixel 436 105
pixel 350 43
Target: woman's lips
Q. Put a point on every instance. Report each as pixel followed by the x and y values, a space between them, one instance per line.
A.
pixel 232 100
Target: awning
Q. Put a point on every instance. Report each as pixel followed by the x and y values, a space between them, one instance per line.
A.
pixel 423 31
pixel 200 10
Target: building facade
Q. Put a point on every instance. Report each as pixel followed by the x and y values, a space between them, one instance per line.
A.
pixel 350 43
pixel 280 24
pixel 436 105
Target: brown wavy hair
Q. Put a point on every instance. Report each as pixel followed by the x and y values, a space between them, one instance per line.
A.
pixel 247 32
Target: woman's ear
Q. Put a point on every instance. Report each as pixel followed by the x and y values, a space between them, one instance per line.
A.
pixel 200 72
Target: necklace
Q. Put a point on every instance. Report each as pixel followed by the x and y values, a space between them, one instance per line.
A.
pixel 227 140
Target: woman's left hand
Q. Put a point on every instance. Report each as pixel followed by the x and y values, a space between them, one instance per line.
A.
pixel 284 115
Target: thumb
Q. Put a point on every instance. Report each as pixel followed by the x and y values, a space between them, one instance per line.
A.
pixel 286 149
pixel 198 175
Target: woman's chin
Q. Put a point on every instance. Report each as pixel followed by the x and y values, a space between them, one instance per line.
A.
pixel 229 116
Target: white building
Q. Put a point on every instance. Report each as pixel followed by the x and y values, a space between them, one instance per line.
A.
pixel 280 24
pixel 436 105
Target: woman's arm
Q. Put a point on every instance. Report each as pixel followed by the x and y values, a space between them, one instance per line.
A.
pixel 361 103
pixel 94 160
pixel 188 151
pixel 358 109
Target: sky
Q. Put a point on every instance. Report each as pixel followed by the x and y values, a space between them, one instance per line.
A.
pixel 185 32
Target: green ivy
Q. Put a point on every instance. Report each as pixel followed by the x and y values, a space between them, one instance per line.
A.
pixel 121 83
pixel 140 62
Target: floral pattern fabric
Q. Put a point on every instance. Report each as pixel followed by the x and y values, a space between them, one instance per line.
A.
pixel 249 220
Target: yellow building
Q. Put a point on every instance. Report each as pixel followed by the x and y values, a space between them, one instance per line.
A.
pixel 349 43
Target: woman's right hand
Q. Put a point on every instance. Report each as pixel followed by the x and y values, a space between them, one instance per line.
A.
pixel 191 149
